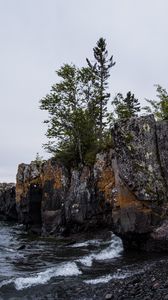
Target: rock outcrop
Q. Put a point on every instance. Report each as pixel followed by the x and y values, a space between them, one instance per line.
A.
pixel 56 200
pixel 140 166
pixel 7 201
pixel 126 189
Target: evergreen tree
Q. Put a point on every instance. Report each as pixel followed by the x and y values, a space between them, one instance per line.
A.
pixel 64 107
pixel 77 107
pixel 101 72
pixel 159 107
pixel 71 123
pixel 125 108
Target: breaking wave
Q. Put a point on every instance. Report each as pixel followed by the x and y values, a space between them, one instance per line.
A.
pixel 103 279
pixel 117 276
pixel 87 243
pixel 66 269
pixel 69 268
pixel 112 251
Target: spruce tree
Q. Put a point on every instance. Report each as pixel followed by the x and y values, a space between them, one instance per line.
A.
pixel 64 108
pixel 77 108
pixel 71 123
pixel 125 108
pixel 101 72
pixel 159 107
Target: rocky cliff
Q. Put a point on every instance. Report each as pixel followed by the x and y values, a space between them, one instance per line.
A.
pixel 140 165
pixel 55 200
pixel 7 201
pixel 126 189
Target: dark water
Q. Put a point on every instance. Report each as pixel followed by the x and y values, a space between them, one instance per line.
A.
pixel 92 260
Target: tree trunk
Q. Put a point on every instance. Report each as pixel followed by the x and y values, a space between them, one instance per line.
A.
pixel 80 151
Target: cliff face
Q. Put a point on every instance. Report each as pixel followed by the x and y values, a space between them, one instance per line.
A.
pixel 56 201
pixel 126 189
pixel 7 201
pixel 140 167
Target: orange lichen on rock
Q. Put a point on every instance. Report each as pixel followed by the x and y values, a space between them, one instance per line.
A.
pixel 19 192
pixel 106 183
pixel 124 198
pixel 52 173
pixel 22 188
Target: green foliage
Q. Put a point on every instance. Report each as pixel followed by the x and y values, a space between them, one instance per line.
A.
pixel 158 107
pixel 125 108
pixel 90 156
pixel 101 72
pixel 39 159
pixel 77 106
pixel 107 141
pixel 67 154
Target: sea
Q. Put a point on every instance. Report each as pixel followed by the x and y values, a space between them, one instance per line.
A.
pixel 30 265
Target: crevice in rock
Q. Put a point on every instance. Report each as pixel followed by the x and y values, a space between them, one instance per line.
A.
pixel 159 159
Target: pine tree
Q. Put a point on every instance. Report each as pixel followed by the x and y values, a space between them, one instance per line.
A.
pixel 101 72
pixel 64 107
pixel 159 107
pixel 77 108
pixel 71 123
pixel 125 108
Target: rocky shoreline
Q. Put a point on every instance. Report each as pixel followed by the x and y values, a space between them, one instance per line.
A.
pixel 126 190
pixel 149 284
pixel 152 283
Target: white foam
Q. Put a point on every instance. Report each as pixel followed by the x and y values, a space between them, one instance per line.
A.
pixel 117 276
pixel 87 243
pixel 125 274
pixel 103 279
pixel 10 250
pixel 66 269
pixel 122 275
pixel 112 251
pixel 3 248
pixel 6 282
pixel 107 278
pixel 70 268
pixel 87 260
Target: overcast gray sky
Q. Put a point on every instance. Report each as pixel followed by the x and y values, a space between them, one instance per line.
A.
pixel 38 36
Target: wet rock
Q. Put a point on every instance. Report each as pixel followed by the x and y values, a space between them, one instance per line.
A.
pixel 108 296
pixel 7 201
